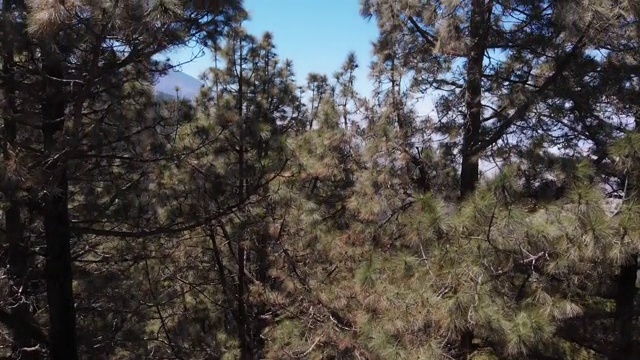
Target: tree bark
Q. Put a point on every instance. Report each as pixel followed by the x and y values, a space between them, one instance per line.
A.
pixel 58 271
pixel 230 323
pixel 466 344
pixel 626 289
pixel 246 346
pixel 18 254
pixel 469 174
pixel 624 313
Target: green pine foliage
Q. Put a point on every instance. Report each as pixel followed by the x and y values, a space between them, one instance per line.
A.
pixel 275 219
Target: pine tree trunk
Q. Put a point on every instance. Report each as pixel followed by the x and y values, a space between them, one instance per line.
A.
pixel 466 344
pixel 18 254
pixel 230 323
pixel 259 323
pixel 626 289
pixel 58 272
pixel 246 347
pixel 624 313
pixel 469 174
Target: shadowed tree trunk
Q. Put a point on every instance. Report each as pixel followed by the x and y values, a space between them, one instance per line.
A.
pixel 18 254
pixel 59 277
pixel 626 290
pixel 624 313
pixel 246 347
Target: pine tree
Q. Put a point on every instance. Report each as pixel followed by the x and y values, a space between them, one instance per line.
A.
pixel 71 62
pixel 272 219
pixel 314 205
pixel 240 140
pixel 469 52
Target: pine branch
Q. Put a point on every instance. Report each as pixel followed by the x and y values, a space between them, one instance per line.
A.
pixel 522 110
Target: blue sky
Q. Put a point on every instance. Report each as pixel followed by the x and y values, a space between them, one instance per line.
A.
pixel 316 34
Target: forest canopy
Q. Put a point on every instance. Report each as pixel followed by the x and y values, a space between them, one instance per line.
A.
pixel 278 217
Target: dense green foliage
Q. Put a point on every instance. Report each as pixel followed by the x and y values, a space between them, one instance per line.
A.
pixel 273 218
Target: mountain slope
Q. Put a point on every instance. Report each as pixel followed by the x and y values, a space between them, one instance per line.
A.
pixel 189 87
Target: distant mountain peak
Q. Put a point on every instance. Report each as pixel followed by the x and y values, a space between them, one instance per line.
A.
pixel 188 86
